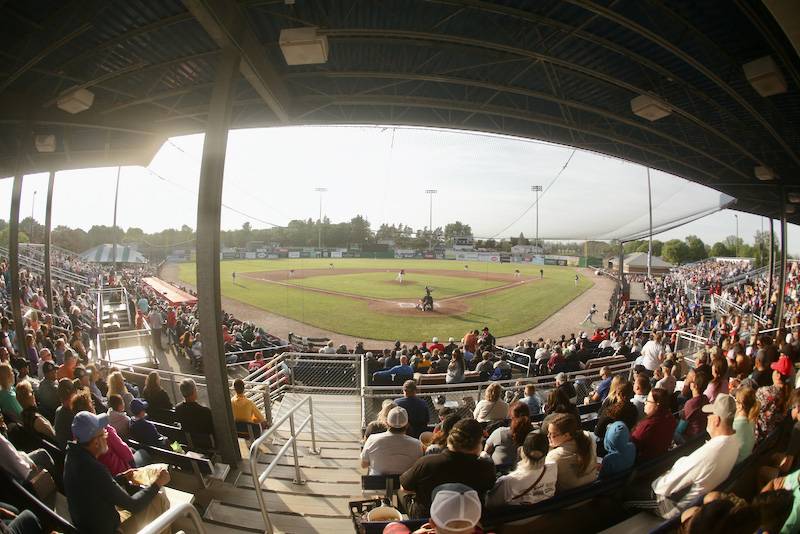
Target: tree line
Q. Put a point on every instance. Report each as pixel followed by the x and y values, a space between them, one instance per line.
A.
pixel 358 232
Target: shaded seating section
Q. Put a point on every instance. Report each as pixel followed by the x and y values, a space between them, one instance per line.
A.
pixel 23 497
pixel 743 476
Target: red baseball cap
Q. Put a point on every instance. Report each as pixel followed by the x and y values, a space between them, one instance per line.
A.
pixel 783 365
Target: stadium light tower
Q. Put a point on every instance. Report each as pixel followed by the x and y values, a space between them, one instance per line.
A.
pixel 736 249
pixel 320 190
pixel 537 189
pixel 430 193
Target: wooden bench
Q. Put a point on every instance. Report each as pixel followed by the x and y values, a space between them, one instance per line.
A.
pixel 595 363
pixel 438 379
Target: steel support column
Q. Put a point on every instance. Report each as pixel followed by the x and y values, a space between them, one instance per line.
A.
pixel 782 276
pixel 48 223
pixel 621 259
pixel 13 261
pixel 771 265
pixel 209 204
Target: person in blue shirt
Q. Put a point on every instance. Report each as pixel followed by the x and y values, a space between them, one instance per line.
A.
pixel 604 386
pixel 92 493
pixel 530 398
pixel 403 370
pixel 418 413
pixel 621 453
pixel 141 429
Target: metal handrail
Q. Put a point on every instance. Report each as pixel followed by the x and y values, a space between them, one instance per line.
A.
pixel 537 380
pixel 719 299
pixel 512 362
pixel 255 451
pixel 166 520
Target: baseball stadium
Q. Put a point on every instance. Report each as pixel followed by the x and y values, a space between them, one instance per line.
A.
pixel 441 266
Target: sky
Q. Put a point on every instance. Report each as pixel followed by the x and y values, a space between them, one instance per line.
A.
pixel 382 173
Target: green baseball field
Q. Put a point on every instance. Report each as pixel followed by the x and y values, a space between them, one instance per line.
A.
pixel 365 298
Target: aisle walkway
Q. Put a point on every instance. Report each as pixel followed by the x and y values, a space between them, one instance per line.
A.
pixel 331 479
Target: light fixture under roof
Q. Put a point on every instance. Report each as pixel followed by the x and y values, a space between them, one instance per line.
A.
pixel 794 198
pixel 45 143
pixel 763 173
pixel 75 100
pixel 765 76
pixel 303 46
pixel 649 108
pixel 788 208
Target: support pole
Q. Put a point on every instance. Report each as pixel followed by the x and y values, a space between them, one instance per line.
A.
pixel 771 266
pixel 209 205
pixel 48 223
pixel 782 276
pixel 621 259
pixel 650 240
pixel 13 259
pixel 116 198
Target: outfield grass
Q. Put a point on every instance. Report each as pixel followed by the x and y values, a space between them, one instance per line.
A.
pixel 383 285
pixel 505 312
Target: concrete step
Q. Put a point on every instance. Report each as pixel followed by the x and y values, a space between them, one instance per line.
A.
pixel 308 460
pixel 310 474
pixel 285 503
pixel 338 489
pixel 245 519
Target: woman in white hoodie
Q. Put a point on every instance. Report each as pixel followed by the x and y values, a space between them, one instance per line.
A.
pixel 533 480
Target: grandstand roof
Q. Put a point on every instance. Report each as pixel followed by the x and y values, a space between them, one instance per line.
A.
pixel 105 254
pixel 639 259
pixel 560 70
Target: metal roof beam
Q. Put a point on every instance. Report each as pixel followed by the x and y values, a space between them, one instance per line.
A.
pixel 226 25
pixel 533 18
pixel 691 61
pixel 126 36
pixel 384 34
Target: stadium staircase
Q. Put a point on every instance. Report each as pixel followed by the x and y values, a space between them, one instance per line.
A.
pixel 331 478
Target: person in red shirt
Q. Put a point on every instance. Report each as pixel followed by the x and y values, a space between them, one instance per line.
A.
pixel 435 345
pixel 653 435
pixel 172 322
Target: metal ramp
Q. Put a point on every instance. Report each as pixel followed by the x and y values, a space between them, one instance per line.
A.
pixel 332 478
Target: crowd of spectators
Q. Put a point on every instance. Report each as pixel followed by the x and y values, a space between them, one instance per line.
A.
pixel 719 404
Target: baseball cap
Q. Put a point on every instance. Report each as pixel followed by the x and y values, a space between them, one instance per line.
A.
pixel 138 405
pixel 724 406
pixel 455 507
pixel 435 339
pixel 48 366
pixel 450 340
pixel 397 417
pixel 783 365
pixel 86 425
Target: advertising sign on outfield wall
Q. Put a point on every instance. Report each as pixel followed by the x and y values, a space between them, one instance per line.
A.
pixel 294 254
pixel 467 256
pixel 250 255
pixel 336 254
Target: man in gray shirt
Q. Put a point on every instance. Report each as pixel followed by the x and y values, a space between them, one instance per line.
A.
pixel 391 452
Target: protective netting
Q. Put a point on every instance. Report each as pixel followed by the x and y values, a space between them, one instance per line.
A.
pixel 381 173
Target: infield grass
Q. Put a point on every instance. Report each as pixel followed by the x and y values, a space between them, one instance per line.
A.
pixel 505 312
pixel 383 285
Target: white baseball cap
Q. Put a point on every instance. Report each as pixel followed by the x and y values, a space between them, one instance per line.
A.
pixel 435 339
pixel 397 417
pixel 455 507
